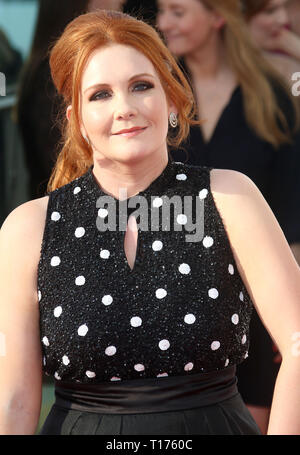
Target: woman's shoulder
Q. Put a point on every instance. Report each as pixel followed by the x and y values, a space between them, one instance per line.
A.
pixel 240 203
pixel 25 224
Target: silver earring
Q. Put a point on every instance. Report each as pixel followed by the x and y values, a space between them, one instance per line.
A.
pixel 173 120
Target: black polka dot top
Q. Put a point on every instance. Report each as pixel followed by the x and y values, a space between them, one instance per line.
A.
pixel 182 309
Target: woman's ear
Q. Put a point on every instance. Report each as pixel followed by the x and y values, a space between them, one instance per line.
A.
pixel 68 112
pixel 173 108
pixel 219 21
pixel 68 115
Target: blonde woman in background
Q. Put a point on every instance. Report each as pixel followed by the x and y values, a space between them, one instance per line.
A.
pixel 249 119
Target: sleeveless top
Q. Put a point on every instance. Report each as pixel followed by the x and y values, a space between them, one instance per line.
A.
pixel 183 309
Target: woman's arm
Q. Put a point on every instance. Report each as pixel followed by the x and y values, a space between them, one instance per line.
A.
pixel 20 346
pixel 272 277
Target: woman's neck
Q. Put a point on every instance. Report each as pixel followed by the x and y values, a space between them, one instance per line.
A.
pixel 124 180
pixel 208 62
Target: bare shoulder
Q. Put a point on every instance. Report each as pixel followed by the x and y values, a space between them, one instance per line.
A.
pixel 241 205
pixel 25 225
pixel 29 213
pixel 231 186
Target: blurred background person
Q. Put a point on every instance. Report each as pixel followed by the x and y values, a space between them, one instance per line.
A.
pixel 272 27
pixel 38 104
pixel 249 119
pixel 293 8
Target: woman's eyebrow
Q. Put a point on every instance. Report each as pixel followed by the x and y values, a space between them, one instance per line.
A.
pixel 107 85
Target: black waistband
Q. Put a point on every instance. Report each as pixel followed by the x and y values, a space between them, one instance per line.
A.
pixel 149 395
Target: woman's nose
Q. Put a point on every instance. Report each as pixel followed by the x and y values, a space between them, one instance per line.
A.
pixel 125 109
pixel 282 16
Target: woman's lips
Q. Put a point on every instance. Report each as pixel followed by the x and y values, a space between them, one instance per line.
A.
pixel 130 133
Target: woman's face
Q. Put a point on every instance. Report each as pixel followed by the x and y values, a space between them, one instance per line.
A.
pixel 267 24
pixel 124 109
pixel 187 25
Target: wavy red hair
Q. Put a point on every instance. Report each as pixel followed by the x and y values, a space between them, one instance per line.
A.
pixel 68 59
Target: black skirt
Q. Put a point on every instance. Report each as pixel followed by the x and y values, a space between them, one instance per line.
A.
pixel 198 404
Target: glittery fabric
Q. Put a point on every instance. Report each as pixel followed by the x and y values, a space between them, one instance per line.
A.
pixel 182 310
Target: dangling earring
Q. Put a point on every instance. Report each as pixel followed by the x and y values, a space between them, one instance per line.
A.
pixel 173 120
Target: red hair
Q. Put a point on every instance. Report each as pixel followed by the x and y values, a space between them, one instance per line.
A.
pixel 68 59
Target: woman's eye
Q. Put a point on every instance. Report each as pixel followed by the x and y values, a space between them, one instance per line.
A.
pixel 178 13
pixel 103 94
pixel 142 86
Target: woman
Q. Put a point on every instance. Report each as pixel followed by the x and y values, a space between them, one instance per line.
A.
pixel 248 117
pixel 38 103
pixel 269 23
pixel 142 330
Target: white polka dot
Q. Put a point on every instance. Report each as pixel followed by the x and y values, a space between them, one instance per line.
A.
pixel 189 319
pixel 164 345
pixel 181 219
pixel 77 190
pixel 162 375
pixel 102 213
pixel 213 293
pixel 181 177
pixel 226 363
pixel 57 311
pixel 46 341
pixel 231 269
pixel 235 319
pixel 55 261
pixel 55 216
pixel 215 345
pixel 139 367
pixel 56 375
pixel 244 339
pixel 80 280
pixel 184 269
pixel 157 202
pixel 83 330
pixel 135 321
pixel 65 360
pixel 80 231
pixel 157 245
pixel 39 295
pixel 90 374
pixel 203 193
pixel 161 293
pixel 111 350
pixel 115 378
pixel 189 366
pixel 241 296
pixel 208 241
pixel 104 254
pixel 107 300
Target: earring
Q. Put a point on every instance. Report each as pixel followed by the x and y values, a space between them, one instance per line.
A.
pixel 173 120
